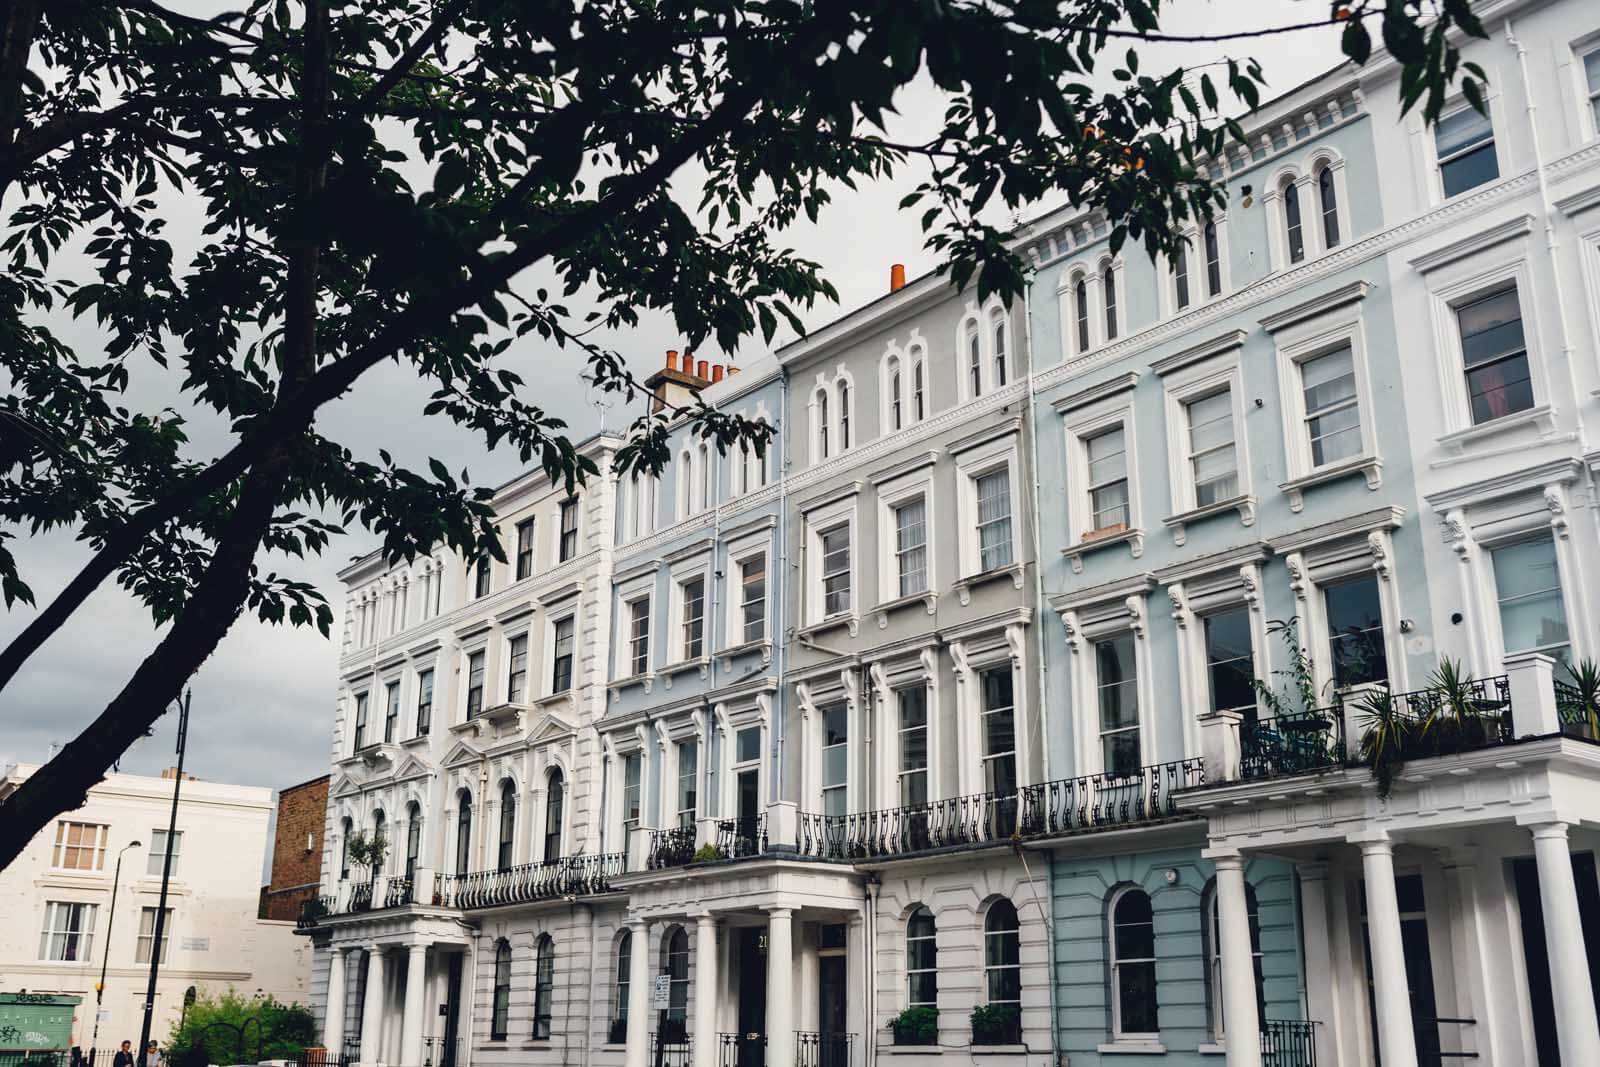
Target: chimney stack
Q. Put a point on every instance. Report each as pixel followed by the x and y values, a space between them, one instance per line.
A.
pixel 672 359
pixel 716 373
pixel 897 277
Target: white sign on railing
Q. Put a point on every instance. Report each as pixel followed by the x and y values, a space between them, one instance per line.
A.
pixel 663 992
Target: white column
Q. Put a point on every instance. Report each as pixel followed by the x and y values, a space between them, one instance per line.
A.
pixel 1321 994
pixel 411 1020
pixel 638 1051
pixel 780 987
pixel 1576 1028
pixel 1242 1025
pixel 1397 1041
pixel 333 1016
pixel 705 991
pixel 372 1009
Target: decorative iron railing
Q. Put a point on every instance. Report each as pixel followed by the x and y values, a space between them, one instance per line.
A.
pixel 672 847
pixel 437 1052
pixel 1288 1043
pixel 673 1050
pixel 1296 743
pixel 955 822
pixel 313 911
pixel 741 1050
pixel 1442 723
pixel 813 1049
pixel 1108 801
pixel 398 893
pixel 742 838
pixel 573 876
pixel 1578 717
pixel 360 897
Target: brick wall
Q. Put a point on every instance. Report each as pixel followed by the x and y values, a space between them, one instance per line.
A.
pixel 296 868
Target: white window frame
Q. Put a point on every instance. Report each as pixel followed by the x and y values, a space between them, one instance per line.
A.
pixel 59 847
pixel 973 650
pixel 54 911
pixel 730 721
pixel 816 694
pixel 479 647
pixel 527 673
pixel 1117 311
pixel 630 636
pixel 1199 287
pixel 1588 99
pixel 683 485
pixel 741 548
pixel 820 520
pixel 1218 583
pixel 1185 384
pixel 1096 615
pixel 677 647
pixel 982 320
pixel 1113 963
pixel 916 359
pixel 990 457
pixel 547 664
pixel 900 670
pixel 1435 166
pixel 1084 416
pixel 891 393
pixel 1299 342
pixel 895 489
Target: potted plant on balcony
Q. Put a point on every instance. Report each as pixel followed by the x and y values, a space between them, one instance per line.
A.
pixel 369 850
pixel 1454 722
pixel 1301 736
pixel 1580 711
pixel 708 853
pixel 996 1024
pixel 1385 737
pixel 917 1026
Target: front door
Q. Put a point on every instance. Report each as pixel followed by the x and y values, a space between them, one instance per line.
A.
pixel 749 1043
pixel 452 1012
pixel 833 1039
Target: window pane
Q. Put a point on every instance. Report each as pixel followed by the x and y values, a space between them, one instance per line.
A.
pixel 748 744
pixel 1355 632
pixel 1229 660
pixel 1465 147
pixel 1528 587
pixel 1107 454
pixel 1491 327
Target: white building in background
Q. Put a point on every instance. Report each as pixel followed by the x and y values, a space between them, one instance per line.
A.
pixel 59 927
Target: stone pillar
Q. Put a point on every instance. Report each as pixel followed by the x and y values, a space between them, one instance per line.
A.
pixel 1322 994
pixel 780 987
pixel 1531 679
pixel 411 1021
pixel 638 1051
pixel 1241 1024
pixel 1576 1027
pixel 333 1017
pixel 705 991
pixel 1219 745
pixel 372 1009
pixel 1397 1041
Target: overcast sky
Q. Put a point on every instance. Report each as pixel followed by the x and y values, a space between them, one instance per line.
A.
pixel 263 704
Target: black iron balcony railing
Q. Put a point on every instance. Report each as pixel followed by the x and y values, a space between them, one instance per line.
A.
pixel 672 847
pixel 741 1050
pixel 812 1049
pixel 398 893
pixel 671 1050
pixel 1440 722
pixel 1288 1043
pixel 743 837
pixel 569 876
pixel 360 897
pixel 1108 801
pixel 1296 743
pixel 313 911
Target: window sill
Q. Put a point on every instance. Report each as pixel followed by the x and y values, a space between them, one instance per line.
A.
pixel 833 622
pixel 672 670
pixel 613 1048
pixel 1245 505
pixel 646 680
pixel 495 1045
pixel 998 1050
pixel 927 598
pixel 1132 1048
pixel 1134 539
pixel 554 699
pixel 749 648
pixel 1213 1048
pixel 1295 488
pixel 912 1050
pixel 535 1043
pixel 964 586
pixel 1543 416
pixel 419 741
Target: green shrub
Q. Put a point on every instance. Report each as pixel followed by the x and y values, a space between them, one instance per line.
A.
pixel 708 854
pixel 917 1026
pixel 226 1028
pixel 996 1024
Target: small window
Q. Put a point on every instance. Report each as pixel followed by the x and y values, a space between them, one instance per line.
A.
pixel 1002 955
pixel 1213 459
pixel 1108 282
pixel 694 618
pixel 1293 223
pixel 1355 632
pixel 68 933
pixel 911 546
pixel 895 402
pixel 994 520
pixel 1332 410
pixel 481 576
pixel 147 935
pixel 161 842
pixel 999 732
pixel 973 347
pixel 561 662
pixel 1230 661
pixel 822 423
pixel 555 808
pixel 463 832
pixel 424 703
pixel 1329 199
pixel 703 482
pixel 569 528
pixel 919 408
pixel 346 828
pixel 753 597
pixel 500 1013
pixel 844 416
pixel 1591 82
pixel 517 674
pixel 505 854
pixel 835 760
pixel 1117 680
pixel 544 985
pixel 1527 582
pixel 474 685
pixel 1180 275
pixel 675 966
pixel 524 549
pixel 688 782
pixel 1133 965
pixel 413 839
pixel 619 1029
pixel 922 960
pixel 639 636
pixel 1080 300
pixel 1495 355
pixel 997 328
pixel 80 846
pixel 632 792
pixel 836 570
pixel 1464 143
pixel 1108 482
pixel 361 722
pixel 1213 261
pixel 913 706
pixel 747 744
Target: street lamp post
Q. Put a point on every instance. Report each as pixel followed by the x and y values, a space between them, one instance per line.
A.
pixel 166 878
pixel 105 956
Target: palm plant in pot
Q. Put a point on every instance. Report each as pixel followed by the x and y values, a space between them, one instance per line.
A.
pixel 1385 735
pixel 1454 720
pixel 1580 711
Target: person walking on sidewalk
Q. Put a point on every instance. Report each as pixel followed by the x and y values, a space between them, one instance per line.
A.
pixel 124 1056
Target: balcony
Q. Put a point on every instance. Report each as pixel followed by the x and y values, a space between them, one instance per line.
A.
pixel 1096 802
pixel 1288 1043
pixel 741 1050
pixel 673 847
pixel 673 1049
pixel 570 876
pixel 742 838
pixel 1290 744
pixel 313 911
pixel 398 893
pixel 360 898
pixel 813 1049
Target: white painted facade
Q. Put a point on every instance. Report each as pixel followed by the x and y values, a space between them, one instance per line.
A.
pixel 56 900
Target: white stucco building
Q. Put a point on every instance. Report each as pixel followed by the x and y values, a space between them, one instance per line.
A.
pixel 59 927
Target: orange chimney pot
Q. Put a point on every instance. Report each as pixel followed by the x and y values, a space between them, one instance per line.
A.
pixel 672 359
pixel 700 370
pixel 716 373
pixel 897 277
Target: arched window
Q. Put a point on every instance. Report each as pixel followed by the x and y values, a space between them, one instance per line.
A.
pixel 413 839
pixel 919 406
pixel 844 416
pixel 1108 282
pixel 997 330
pixel 685 484
pixel 508 825
pixel 972 346
pixel 1080 301
pixel 1213 261
pixel 821 410
pixel 1330 206
pixel 1002 955
pixel 1180 275
pixel 619 1015
pixel 500 1015
pixel 346 828
pixel 1213 952
pixel 1133 964
pixel 922 960
pixel 380 832
pixel 1291 219
pixel 463 832
pixel 896 404
pixel 675 965
pixel 544 985
pixel 555 803
pixel 703 458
